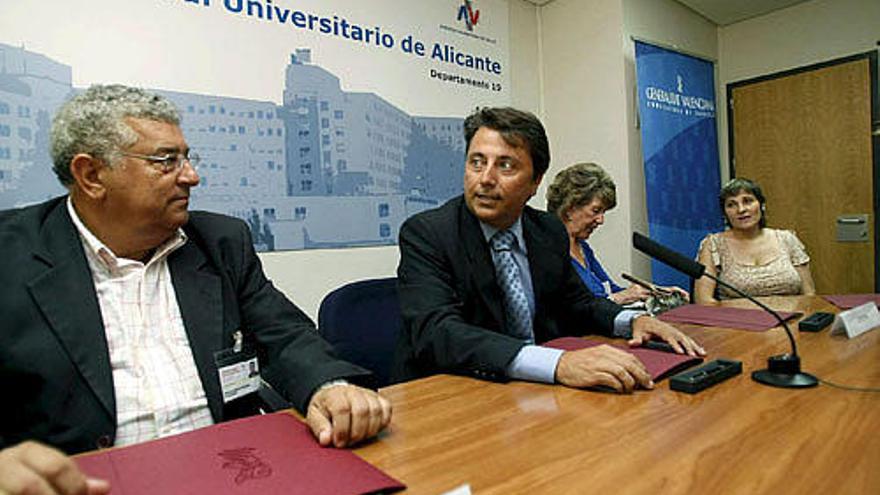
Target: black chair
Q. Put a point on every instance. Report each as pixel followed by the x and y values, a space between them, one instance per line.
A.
pixel 362 320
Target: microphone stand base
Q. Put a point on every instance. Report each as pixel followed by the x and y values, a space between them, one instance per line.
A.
pixel 784 380
pixel 784 371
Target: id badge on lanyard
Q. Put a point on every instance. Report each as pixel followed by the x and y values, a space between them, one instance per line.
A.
pixel 238 368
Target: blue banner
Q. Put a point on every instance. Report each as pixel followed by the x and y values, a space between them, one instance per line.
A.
pixel 680 150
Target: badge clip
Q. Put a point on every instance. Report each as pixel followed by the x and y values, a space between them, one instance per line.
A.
pixel 238 339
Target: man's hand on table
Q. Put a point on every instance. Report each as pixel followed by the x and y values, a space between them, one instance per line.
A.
pixel 35 469
pixel 646 327
pixel 603 365
pixel 344 414
pixel 607 366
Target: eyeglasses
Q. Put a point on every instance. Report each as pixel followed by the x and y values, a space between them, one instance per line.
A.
pixel 169 162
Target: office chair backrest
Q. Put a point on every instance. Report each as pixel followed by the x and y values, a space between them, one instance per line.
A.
pixel 362 321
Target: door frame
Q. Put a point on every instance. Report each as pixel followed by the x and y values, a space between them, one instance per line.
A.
pixel 875 130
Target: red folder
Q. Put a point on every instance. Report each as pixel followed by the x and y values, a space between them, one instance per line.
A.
pixel 756 320
pixel 658 363
pixel 847 301
pixel 269 454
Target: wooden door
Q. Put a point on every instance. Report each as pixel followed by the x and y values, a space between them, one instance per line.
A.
pixel 805 137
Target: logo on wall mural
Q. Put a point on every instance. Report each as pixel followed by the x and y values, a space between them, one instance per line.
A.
pixel 677 101
pixel 470 16
pixel 467 14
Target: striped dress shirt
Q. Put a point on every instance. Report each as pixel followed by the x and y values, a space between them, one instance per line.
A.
pixel 157 387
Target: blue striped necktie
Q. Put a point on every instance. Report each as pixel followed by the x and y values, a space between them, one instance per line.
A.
pixel 516 304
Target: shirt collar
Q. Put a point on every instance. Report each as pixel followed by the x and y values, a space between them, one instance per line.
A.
pixel 106 255
pixel 515 229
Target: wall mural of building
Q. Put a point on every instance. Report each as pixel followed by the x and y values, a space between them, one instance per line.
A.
pixel 326 168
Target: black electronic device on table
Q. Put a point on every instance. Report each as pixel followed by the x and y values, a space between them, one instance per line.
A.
pixel 816 322
pixel 658 345
pixel 704 376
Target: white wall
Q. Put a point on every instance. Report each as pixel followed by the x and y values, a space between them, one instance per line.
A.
pixel 800 35
pixel 589 99
pixel 525 90
pixel 307 276
pixel 584 94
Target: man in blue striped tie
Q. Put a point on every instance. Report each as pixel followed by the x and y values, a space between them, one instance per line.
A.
pixel 484 278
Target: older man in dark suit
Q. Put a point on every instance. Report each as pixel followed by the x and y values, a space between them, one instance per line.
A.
pixel 484 277
pixel 127 318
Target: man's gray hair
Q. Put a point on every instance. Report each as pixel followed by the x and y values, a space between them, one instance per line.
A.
pixel 92 122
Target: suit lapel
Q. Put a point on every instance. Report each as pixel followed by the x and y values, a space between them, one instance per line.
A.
pixel 482 268
pixel 540 257
pixel 199 295
pixel 65 293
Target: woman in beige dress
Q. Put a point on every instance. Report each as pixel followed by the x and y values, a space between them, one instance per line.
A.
pixel 758 260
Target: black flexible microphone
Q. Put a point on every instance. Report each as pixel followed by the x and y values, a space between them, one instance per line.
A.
pixel 783 370
pixel 685 265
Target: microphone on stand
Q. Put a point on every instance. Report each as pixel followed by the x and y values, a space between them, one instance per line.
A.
pixel 783 370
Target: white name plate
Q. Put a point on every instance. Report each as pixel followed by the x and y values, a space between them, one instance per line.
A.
pixel 857 321
pixel 461 490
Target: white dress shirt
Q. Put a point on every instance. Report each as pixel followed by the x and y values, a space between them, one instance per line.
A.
pixel 155 381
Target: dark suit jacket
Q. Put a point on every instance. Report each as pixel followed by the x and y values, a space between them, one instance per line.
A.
pixel 452 306
pixel 57 385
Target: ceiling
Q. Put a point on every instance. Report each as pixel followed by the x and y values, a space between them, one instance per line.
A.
pixel 724 12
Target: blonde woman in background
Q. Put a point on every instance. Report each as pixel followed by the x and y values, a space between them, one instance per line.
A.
pixel 580 195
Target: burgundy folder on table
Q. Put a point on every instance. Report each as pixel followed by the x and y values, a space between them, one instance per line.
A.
pixel 847 301
pixel 269 454
pixel 716 316
pixel 658 363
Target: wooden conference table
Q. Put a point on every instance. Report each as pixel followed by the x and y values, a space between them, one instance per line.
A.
pixel 736 437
